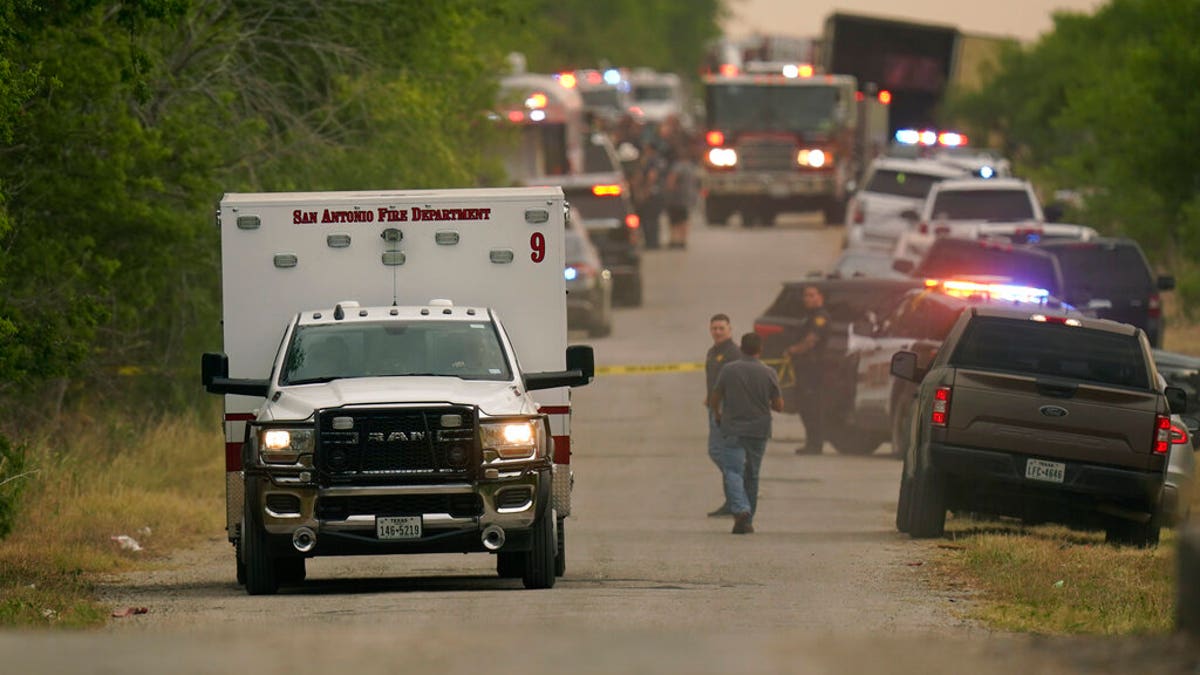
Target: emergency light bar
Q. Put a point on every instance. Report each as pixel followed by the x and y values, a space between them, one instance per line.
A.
pixel 929 137
pixel 988 291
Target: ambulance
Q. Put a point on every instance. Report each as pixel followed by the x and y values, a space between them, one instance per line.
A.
pixel 396 378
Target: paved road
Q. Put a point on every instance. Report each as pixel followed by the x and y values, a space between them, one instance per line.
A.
pixel 652 585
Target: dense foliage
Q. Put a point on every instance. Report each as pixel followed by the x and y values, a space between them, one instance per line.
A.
pixel 123 121
pixel 1105 105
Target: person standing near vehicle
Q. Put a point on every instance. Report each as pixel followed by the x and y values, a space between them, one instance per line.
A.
pixel 680 192
pixel 807 355
pixel 746 392
pixel 650 174
pixel 722 352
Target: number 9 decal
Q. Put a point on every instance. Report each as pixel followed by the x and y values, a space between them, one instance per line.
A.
pixel 537 244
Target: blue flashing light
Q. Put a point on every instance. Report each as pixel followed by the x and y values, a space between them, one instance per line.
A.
pixel 908 136
pixel 612 76
pixel 986 172
pixel 570 273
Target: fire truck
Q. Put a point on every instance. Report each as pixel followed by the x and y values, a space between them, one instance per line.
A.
pixel 783 137
pixel 548 123
pixel 375 399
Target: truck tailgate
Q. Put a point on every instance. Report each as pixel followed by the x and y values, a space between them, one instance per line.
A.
pixel 1050 417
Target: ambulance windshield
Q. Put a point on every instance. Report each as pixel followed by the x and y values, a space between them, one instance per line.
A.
pixel 470 350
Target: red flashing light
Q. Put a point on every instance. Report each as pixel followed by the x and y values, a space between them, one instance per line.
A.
pixel 632 221
pixel 885 97
pixel 1162 434
pixel 715 138
pixel 516 116
pixel 606 190
pixel 594 77
pixel 858 96
pixel 728 70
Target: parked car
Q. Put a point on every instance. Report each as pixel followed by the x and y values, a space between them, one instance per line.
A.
pixel 1046 416
pixel 848 301
pixel 953 258
pixel 955 208
pixel 1183 371
pixel 880 406
pixel 864 263
pixel 892 185
pixel 1112 277
pixel 589 282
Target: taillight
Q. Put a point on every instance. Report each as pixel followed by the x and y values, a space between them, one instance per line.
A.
pixel 606 190
pixel 767 329
pixel 923 228
pixel 1154 307
pixel 1162 434
pixel 1179 435
pixel 860 213
pixel 632 221
pixel 941 407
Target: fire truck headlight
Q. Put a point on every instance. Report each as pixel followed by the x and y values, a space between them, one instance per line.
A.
pixel 722 157
pixel 284 446
pixel 814 158
pixel 512 440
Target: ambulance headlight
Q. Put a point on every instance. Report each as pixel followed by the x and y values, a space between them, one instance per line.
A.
pixel 284 446
pixel 512 439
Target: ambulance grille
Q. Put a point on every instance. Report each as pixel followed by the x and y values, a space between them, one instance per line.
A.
pixel 767 155
pixel 396 446
pixel 340 508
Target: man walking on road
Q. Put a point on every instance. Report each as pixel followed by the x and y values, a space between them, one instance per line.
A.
pixel 808 363
pixel 742 400
pixel 723 350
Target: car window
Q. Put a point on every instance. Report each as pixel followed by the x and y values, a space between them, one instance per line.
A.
pixel 1097 267
pixel 901 183
pixel 1051 349
pixel 592 207
pixel 596 158
pixel 994 205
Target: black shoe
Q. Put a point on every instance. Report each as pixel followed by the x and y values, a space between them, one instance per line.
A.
pixel 720 512
pixel 741 523
pixel 808 451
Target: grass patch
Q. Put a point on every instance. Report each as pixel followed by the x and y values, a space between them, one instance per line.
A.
pixel 161 483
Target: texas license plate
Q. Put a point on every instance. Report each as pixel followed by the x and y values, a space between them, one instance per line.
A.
pixel 1050 472
pixel 398 527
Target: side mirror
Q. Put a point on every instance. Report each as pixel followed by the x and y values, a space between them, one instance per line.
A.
pixel 904 366
pixel 1176 399
pixel 1053 213
pixel 214 375
pixel 910 215
pixel 1166 283
pixel 583 359
pixel 580 370
pixel 903 265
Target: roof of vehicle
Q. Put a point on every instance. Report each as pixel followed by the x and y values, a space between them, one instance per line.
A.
pixel 919 165
pixel 1051 315
pixel 982 184
pixel 992 291
pixel 438 309
pixel 583 180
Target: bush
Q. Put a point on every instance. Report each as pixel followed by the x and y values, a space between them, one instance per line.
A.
pixel 12 483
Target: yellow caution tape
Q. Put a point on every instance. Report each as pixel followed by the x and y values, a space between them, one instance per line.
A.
pixel 683 367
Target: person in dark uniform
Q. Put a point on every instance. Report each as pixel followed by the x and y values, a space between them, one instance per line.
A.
pixel 808 364
pixel 722 351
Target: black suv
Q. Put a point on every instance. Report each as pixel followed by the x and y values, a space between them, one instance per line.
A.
pixel 856 301
pixel 950 258
pixel 602 197
pixel 1111 278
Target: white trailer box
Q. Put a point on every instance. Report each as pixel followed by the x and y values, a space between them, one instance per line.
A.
pixel 395 445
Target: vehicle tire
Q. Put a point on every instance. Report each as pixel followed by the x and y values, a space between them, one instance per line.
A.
pixel 510 565
pixel 851 441
pixel 539 561
pixel 261 574
pixel 904 503
pixel 290 571
pixel 1140 535
pixel 834 213
pixel 631 292
pixel 716 215
pixel 768 217
pixel 560 558
pixel 927 510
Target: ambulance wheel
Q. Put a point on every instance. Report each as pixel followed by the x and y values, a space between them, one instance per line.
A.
pixel 510 565
pixel 560 558
pixel 290 571
pixel 261 575
pixel 539 561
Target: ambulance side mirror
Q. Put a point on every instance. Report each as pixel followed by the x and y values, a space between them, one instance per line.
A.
pixel 214 375
pixel 580 370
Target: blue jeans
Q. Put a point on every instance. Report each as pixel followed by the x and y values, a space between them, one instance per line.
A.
pixel 741 459
pixel 716 440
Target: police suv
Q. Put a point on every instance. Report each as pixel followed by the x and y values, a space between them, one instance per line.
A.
pixel 375 400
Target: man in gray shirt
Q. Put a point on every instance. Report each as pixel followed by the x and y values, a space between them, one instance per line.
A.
pixel 742 399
